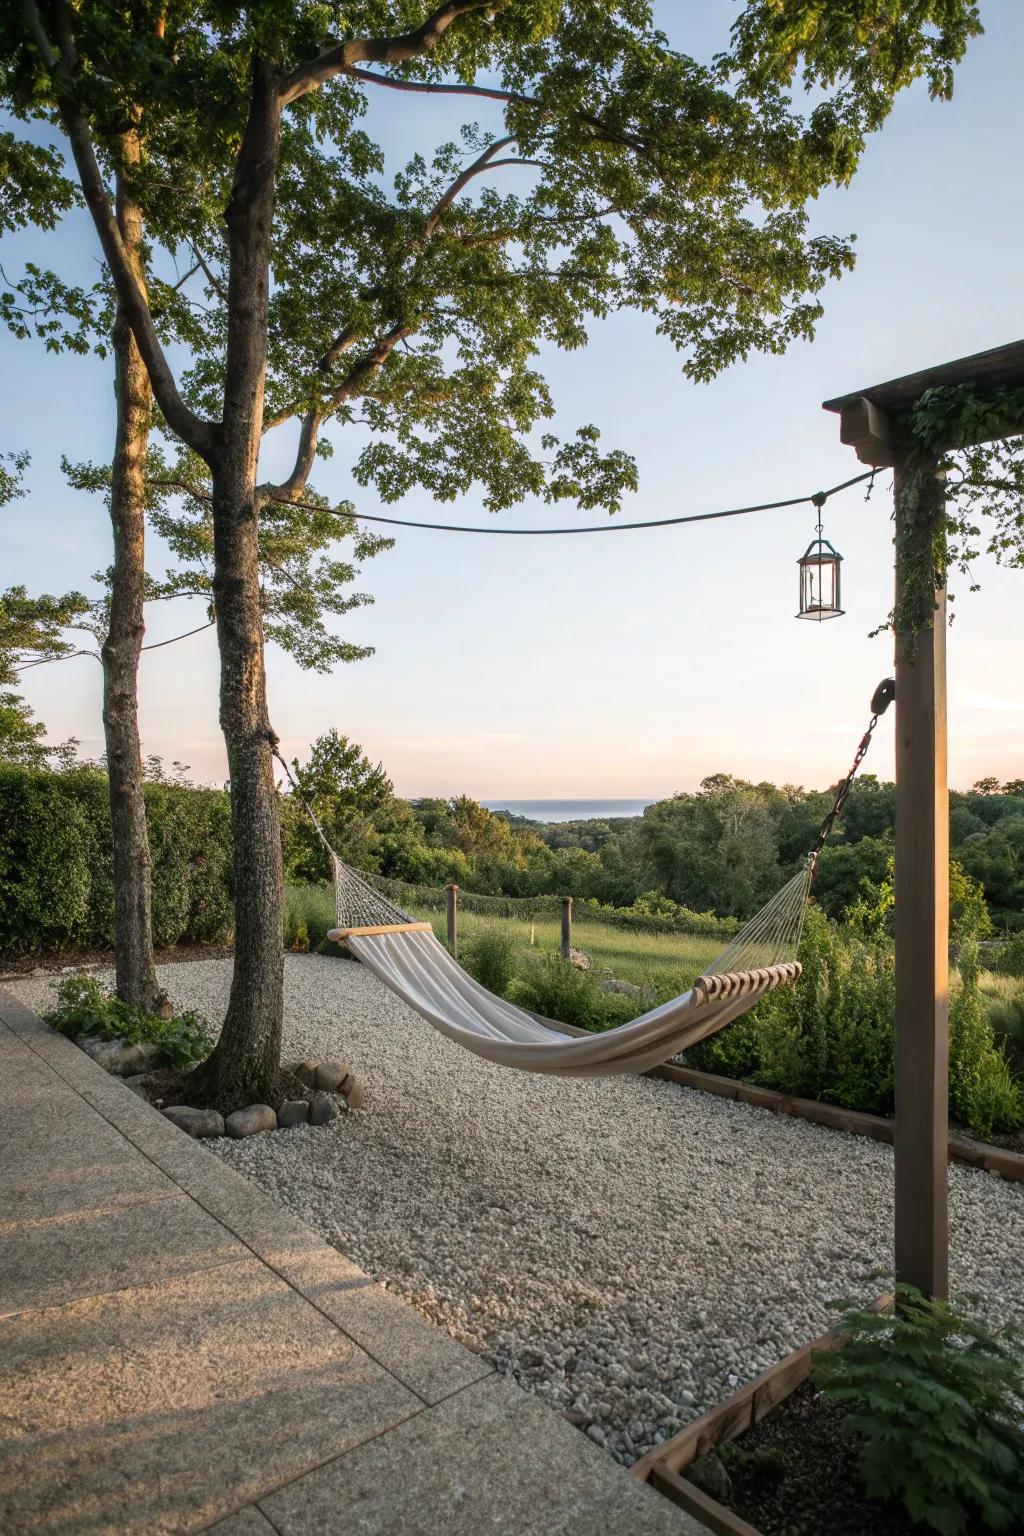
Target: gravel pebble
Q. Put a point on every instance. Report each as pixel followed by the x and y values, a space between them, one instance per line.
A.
pixel 626 1248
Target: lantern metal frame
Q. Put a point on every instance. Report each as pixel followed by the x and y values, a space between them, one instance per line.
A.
pixel 820 556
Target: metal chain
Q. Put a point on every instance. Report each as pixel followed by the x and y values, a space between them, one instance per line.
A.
pixel 880 701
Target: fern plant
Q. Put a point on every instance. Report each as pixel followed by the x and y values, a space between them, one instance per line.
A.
pixel 937 1404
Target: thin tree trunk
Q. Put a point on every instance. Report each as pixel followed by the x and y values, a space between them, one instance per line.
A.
pixel 133 940
pixel 244 1067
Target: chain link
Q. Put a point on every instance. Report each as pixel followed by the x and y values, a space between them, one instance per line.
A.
pixel 880 701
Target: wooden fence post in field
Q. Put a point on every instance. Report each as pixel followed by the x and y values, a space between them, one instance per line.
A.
pixel 452 903
pixel 566 926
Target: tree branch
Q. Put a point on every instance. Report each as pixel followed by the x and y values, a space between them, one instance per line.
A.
pixel 377 50
pixel 353 385
pixel 482 163
pixel 347 338
pixel 201 261
pixel 509 98
pixel 200 435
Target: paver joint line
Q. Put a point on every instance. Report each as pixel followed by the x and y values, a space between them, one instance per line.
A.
pixel 361 1394
pixel 126 1135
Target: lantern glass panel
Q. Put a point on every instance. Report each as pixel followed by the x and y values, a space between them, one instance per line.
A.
pixel 820 582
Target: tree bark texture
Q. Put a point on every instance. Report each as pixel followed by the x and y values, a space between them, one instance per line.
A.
pixel 244 1066
pixel 133 939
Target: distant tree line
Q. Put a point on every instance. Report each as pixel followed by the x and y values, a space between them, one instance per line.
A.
pixel 723 848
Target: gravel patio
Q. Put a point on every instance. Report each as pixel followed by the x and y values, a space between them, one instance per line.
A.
pixel 628 1249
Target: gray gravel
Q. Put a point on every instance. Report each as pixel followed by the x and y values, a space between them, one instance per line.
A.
pixel 629 1249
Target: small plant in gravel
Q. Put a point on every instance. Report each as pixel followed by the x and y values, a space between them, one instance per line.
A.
pixel 86 1007
pixel 490 957
pixel 936 1401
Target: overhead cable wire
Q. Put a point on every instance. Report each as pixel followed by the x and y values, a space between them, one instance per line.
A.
pixel 610 527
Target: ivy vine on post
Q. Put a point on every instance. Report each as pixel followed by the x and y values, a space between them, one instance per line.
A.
pixel 949 481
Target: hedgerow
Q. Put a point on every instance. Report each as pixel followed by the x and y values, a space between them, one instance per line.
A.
pixel 56 864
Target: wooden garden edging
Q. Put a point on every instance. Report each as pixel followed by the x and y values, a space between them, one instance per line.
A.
pixel 962 1149
pixel 663 1466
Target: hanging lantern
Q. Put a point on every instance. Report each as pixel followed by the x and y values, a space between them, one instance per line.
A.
pixel 820 596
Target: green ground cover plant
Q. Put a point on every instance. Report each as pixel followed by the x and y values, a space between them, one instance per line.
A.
pixel 86 1007
pixel 935 1400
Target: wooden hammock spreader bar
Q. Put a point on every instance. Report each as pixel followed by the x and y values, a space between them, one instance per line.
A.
pixel 742 983
pixel 337 934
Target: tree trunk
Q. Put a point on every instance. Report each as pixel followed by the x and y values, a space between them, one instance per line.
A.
pixel 133 940
pixel 244 1067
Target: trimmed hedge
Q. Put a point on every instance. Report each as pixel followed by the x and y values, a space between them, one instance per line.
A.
pixel 56 866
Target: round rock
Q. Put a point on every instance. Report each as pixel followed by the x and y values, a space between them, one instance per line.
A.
pixel 330 1075
pixel 352 1088
pixel 305 1071
pixel 323 1109
pixel 251 1120
pixel 195 1122
pixel 293 1112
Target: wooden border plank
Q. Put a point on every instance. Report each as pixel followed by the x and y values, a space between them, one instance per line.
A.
pixel 855 1122
pixel 663 1466
pixel 716 1517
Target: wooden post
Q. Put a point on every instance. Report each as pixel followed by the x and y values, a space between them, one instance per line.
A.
pixel 922 940
pixel 452 903
pixel 566 926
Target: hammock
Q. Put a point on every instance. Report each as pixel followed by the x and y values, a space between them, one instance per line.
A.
pixel 409 959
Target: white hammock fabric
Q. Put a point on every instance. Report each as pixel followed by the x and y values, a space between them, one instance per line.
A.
pixel 413 963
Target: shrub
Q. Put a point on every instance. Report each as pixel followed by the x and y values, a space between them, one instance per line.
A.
pixel 56 865
pixel 1004 1000
pixel 490 956
pixel 935 1400
pixel 45 869
pixel 558 990
pixel 86 1007
pixel 308 916
pixel 832 1036
pixel 982 1090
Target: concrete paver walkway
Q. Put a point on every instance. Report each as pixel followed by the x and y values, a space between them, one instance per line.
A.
pixel 179 1353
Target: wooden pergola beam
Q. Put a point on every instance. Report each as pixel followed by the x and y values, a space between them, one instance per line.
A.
pixel 1001 367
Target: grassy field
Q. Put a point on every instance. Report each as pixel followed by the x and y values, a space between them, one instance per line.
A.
pixel 661 963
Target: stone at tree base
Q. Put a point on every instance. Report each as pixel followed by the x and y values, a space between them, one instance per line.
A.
pixel 305 1071
pixel 119 1057
pixel 293 1112
pixel 251 1120
pixel 710 1475
pixel 137 1084
pixel 323 1109
pixel 139 1058
pixel 330 1075
pixel 352 1088
pixel 195 1122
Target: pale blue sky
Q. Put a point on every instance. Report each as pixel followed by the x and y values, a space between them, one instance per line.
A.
pixel 623 664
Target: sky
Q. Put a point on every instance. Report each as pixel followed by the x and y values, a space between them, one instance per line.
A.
pixel 622 664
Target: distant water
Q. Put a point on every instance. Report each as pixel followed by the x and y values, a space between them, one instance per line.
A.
pixel 569 810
